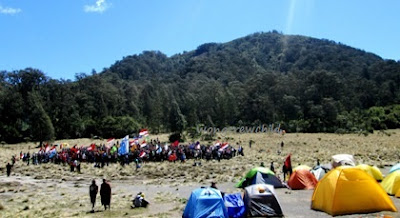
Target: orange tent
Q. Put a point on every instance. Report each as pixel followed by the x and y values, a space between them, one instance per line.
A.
pixel 302 179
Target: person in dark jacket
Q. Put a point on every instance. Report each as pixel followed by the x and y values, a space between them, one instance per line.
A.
pixel 8 166
pixel 93 189
pixel 105 193
pixel 272 168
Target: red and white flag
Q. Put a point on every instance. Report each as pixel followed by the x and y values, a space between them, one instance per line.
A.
pixel 92 147
pixel 224 146
pixel 143 133
pixel 144 144
pixel 110 142
pixel 142 154
pixel 47 148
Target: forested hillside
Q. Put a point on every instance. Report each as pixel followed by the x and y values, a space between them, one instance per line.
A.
pixel 304 84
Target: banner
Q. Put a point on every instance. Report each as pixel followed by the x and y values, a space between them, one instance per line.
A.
pixel 124 146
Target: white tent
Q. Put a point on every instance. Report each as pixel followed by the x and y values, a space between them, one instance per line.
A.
pixel 320 171
pixel 343 160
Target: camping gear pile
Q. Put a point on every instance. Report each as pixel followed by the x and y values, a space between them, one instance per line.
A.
pixel 259 198
pixel 340 188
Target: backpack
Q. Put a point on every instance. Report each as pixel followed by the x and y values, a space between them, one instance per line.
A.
pixel 138 201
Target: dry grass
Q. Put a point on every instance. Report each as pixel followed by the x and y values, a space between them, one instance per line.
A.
pixel 50 190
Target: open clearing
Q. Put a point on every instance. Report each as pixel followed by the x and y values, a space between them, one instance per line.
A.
pixel 50 190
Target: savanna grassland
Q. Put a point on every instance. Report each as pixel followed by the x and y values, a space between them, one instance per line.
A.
pixel 50 190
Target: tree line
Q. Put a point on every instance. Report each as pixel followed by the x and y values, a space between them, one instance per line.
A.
pixel 302 83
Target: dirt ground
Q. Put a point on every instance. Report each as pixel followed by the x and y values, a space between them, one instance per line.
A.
pixel 50 190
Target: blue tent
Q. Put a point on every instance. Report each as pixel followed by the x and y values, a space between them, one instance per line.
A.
pixel 394 168
pixel 205 202
pixel 235 205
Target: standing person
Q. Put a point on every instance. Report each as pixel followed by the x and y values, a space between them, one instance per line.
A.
pixel 214 185
pixel 105 193
pixel 28 157
pixel 8 166
pixel 240 150
pixel 13 159
pixel 137 163
pixel 272 168
pixel 78 166
pixel 93 189
pixel 287 167
pixel 72 166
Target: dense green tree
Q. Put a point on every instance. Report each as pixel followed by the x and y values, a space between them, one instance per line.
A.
pixel 41 127
pixel 303 83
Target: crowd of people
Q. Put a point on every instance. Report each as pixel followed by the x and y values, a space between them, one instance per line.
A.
pixel 102 155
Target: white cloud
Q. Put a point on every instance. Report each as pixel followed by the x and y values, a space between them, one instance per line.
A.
pixel 99 7
pixel 6 10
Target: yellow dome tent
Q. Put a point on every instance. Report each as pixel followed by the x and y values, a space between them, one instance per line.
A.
pixel 372 171
pixel 349 190
pixel 391 183
pixel 397 194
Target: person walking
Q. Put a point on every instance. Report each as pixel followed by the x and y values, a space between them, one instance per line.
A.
pixel 105 193
pixel 8 166
pixel 93 189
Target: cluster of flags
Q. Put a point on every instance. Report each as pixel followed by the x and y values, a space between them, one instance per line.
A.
pixel 51 150
pixel 122 150
pixel 125 142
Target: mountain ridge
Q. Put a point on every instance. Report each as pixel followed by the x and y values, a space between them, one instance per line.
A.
pixel 303 83
pixel 289 57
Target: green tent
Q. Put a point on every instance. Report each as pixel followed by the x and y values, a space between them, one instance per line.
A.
pixel 259 175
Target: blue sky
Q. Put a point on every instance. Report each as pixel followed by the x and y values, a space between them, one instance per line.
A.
pixel 65 37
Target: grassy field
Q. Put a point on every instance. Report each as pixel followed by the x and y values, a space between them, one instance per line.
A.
pixel 50 190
